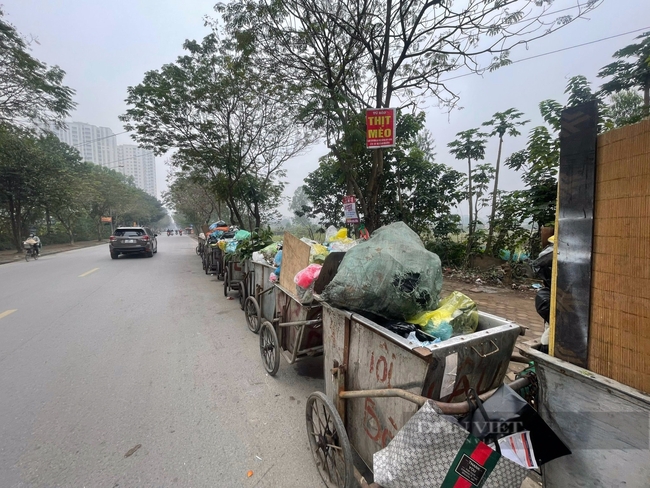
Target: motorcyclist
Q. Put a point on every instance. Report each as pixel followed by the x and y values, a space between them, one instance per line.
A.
pixel 34 241
pixel 180 232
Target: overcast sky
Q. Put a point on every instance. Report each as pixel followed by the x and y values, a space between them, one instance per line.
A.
pixel 105 46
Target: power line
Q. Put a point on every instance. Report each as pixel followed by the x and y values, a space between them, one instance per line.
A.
pixel 556 51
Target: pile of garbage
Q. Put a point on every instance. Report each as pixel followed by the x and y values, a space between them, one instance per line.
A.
pixel 395 280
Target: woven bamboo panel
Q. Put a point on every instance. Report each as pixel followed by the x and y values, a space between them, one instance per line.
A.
pixel 619 333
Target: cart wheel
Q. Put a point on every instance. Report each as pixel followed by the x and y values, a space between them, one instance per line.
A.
pixel 225 289
pixel 242 294
pixel 329 442
pixel 269 348
pixel 253 315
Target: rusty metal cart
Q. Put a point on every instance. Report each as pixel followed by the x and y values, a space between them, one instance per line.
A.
pixel 295 332
pixel 213 260
pixel 370 371
pixel 233 277
pixel 259 304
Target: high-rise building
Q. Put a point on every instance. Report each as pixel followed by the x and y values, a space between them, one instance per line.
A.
pixel 98 145
pixel 140 164
pixel 95 144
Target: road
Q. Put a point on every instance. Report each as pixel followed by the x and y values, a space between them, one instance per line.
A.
pixel 99 357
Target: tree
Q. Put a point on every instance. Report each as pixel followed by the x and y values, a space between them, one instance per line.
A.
pixel 624 108
pixel 633 74
pixel 20 178
pixel 356 54
pixel 230 121
pixel 300 206
pixel 416 190
pixel 470 146
pixel 29 89
pixel 501 123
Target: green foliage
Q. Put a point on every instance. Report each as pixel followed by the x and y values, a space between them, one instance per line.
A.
pixel 259 239
pixel 230 120
pixel 450 252
pixel 631 70
pixel 29 89
pixel 414 189
pixel 44 183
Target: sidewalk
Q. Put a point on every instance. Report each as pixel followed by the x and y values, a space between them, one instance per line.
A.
pixel 12 256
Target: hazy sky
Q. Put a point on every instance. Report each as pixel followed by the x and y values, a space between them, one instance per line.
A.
pixel 105 46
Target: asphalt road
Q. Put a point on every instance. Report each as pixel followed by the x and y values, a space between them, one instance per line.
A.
pixel 101 356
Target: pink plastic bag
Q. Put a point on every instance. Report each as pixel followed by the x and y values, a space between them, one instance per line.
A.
pixel 306 277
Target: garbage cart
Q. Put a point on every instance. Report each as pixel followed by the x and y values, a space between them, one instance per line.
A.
pixel 295 332
pixel 259 304
pixel 233 278
pixel 375 381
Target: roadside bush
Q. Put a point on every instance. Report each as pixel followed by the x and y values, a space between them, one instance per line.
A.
pixel 451 253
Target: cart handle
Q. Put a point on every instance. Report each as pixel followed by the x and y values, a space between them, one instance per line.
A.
pixel 316 322
pixel 447 408
pixel 496 350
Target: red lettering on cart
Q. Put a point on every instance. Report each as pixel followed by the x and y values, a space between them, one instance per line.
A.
pixel 383 369
pixel 392 422
pixel 372 362
pixel 376 432
pixel 369 415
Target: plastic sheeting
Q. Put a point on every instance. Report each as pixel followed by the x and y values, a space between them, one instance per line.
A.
pixel 391 275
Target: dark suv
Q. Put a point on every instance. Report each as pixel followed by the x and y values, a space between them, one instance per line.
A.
pixel 130 240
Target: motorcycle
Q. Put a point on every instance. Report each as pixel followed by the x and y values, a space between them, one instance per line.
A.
pixel 169 232
pixel 180 232
pixel 543 268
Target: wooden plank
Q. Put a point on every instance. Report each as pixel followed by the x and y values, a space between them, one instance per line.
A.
pixel 295 257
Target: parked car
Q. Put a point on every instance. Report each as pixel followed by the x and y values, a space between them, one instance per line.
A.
pixel 131 240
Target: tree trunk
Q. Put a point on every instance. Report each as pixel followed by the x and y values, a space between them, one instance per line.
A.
pixel 488 246
pixel 99 229
pixel 372 219
pixel 470 227
pixel 16 224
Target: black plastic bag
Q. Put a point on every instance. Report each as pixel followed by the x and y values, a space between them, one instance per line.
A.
pixel 508 414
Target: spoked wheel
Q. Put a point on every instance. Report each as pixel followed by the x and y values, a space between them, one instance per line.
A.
pixel 269 348
pixel 242 293
pixel 253 315
pixel 28 255
pixel 329 442
pixel 198 250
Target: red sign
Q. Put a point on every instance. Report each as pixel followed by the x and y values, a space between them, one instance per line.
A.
pixel 107 219
pixel 380 127
pixel 349 199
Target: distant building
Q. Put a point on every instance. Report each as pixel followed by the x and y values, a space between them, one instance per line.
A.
pixel 98 145
pixel 95 144
pixel 140 164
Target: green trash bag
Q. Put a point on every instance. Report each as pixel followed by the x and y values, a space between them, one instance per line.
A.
pixel 391 275
pixel 456 315
pixel 242 235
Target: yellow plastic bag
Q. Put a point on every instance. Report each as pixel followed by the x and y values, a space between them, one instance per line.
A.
pixel 456 315
pixel 340 235
pixel 222 245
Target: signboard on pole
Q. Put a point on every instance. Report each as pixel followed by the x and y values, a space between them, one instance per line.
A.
pixel 380 128
pixel 350 209
pixel 107 219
